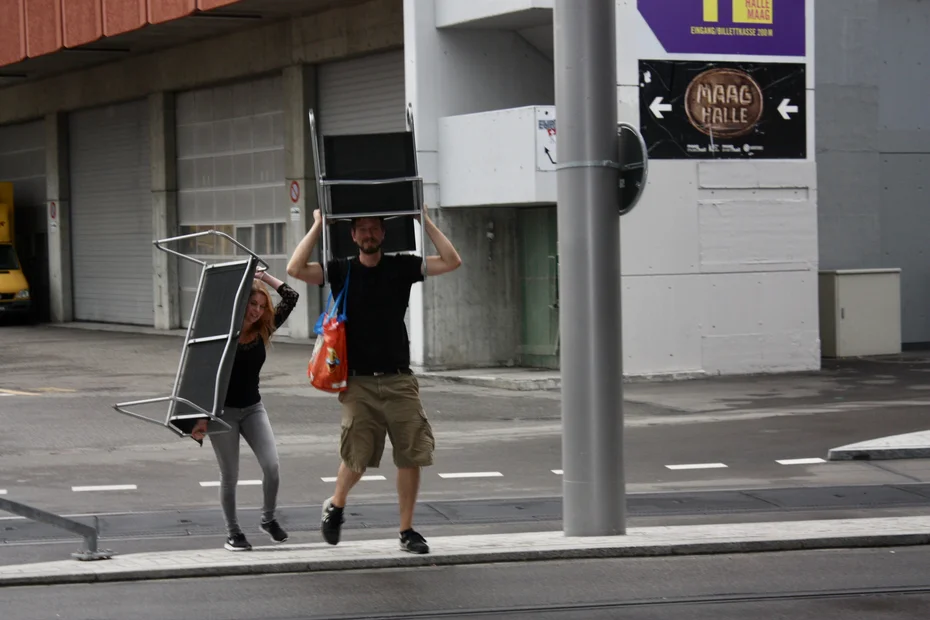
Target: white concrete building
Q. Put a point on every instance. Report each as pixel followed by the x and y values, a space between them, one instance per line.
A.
pixel 176 123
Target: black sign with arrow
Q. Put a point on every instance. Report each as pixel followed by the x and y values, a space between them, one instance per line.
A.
pixel 723 110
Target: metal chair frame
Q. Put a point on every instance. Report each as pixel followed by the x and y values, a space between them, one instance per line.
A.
pixel 325 198
pixel 252 264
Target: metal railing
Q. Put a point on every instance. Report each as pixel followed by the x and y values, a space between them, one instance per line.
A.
pixel 89 533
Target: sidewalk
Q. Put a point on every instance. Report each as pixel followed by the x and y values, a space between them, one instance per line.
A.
pixel 372 554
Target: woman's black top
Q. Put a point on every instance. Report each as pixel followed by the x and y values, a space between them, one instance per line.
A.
pixel 250 357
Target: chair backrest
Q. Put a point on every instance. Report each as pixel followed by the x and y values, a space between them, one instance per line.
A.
pixel 372 157
pixel 369 156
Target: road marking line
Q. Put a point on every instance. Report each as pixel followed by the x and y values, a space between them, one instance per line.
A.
pixel 800 461
pixel 16 393
pixel 474 474
pixel 373 478
pixel 59 390
pixel 557 472
pixel 216 483
pixel 2 491
pixel 698 466
pixel 106 487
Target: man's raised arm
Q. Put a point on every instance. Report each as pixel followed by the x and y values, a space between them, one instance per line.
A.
pixel 299 266
pixel 448 259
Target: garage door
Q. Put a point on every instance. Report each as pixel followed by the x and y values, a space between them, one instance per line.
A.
pixel 111 211
pixel 231 177
pixel 363 95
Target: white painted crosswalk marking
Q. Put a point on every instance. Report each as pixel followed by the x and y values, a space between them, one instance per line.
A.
pixel 242 483
pixel 374 478
pixel 473 474
pixel 105 487
pixel 810 461
pixel 698 466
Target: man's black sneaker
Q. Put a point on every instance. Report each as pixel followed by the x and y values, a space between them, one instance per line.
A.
pixel 237 542
pixel 331 524
pixel 273 529
pixel 412 542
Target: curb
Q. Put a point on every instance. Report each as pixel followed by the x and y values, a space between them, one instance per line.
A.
pixel 483 557
pixel 878 454
pixel 904 446
pixel 514 385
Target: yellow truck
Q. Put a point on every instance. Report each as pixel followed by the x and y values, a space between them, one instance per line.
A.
pixel 15 300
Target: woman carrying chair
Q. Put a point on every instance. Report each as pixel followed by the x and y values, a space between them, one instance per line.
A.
pixel 245 413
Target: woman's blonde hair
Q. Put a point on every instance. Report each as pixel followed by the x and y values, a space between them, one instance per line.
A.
pixel 264 326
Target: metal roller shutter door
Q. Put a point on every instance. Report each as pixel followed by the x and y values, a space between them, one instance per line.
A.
pixel 111 214
pixel 363 95
pixel 231 177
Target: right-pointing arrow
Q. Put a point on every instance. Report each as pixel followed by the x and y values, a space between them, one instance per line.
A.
pixel 657 107
pixel 784 109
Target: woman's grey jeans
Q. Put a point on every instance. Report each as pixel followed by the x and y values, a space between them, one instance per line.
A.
pixel 251 423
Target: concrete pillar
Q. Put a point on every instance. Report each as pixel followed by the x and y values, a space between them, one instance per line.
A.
pixel 163 127
pixel 299 97
pixel 58 212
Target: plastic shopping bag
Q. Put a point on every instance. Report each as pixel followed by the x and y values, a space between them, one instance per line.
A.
pixel 327 368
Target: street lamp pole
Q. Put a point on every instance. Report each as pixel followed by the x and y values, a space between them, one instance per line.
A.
pixel 594 501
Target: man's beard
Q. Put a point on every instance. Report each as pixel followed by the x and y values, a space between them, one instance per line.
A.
pixel 370 247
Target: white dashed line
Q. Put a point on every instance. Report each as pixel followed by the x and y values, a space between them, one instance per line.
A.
pixel 474 474
pixel 110 487
pixel 557 472
pixel 242 483
pixel 2 491
pixel 363 479
pixel 800 461
pixel 698 466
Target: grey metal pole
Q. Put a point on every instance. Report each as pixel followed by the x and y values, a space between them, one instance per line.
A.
pixel 589 268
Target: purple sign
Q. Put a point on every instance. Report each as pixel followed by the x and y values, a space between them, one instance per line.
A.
pixel 745 27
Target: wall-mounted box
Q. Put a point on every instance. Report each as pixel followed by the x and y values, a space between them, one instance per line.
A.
pixel 502 157
pixel 860 312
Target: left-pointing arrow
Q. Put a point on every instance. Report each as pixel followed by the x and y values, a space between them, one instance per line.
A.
pixel 657 107
pixel 786 110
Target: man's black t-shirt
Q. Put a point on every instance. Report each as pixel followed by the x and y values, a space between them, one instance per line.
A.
pixel 375 308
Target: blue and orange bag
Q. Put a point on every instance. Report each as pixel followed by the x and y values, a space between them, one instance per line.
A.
pixel 327 369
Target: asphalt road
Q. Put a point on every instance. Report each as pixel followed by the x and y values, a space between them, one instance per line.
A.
pixel 818 585
pixel 63 448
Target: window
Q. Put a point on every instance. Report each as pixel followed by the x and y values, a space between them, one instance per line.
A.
pixel 8 258
pixel 270 240
pixel 243 236
pixel 207 245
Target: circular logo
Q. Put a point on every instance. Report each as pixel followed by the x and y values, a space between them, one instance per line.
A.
pixel 724 103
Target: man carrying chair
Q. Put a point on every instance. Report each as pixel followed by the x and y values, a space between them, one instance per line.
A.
pixel 382 397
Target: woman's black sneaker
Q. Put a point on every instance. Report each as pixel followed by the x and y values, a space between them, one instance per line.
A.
pixel 412 542
pixel 273 529
pixel 237 542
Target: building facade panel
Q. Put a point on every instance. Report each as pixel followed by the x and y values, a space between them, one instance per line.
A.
pixel 13 41
pixel 82 21
pixel 43 27
pixel 111 214
pixel 121 16
pixel 161 11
